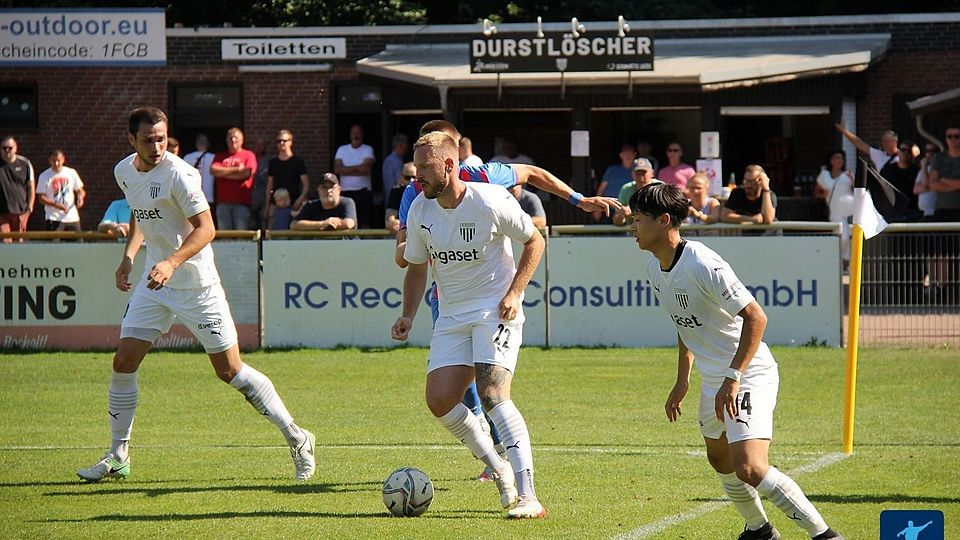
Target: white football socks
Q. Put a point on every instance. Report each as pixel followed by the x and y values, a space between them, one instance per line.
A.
pixel 744 499
pixel 786 495
pixel 122 406
pixel 259 391
pixel 465 426
pixel 516 440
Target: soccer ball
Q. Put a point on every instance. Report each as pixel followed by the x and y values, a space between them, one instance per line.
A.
pixel 407 492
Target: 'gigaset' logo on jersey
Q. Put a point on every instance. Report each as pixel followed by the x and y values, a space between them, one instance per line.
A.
pixel 141 214
pixel 686 322
pixel 453 255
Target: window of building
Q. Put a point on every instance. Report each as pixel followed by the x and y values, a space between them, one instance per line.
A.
pixel 18 107
pixel 208 108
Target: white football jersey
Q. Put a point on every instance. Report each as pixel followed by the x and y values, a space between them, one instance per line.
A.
pixel 469 245
pixel 703 296
pixel 161 200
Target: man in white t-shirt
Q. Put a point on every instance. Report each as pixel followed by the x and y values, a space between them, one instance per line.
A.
pixel 170 212
pixel 510 153
pixel 465 230
pixel 353 163
pixel 201 159
pixel 881 157
pixel 467 157
pixel 60 189
pixel 720 328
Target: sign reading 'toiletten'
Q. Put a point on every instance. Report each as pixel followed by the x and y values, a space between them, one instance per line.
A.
pixel 559 51
pixel 283 49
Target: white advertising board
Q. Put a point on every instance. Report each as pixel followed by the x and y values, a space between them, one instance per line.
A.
pixel 283 49
pixel 599 293
pixel 324 293
pixel 710 144
pixel 62 296
pixel 83 37
pixel 713 169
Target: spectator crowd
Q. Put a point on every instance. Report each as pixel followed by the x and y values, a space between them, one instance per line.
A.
pixel 254 189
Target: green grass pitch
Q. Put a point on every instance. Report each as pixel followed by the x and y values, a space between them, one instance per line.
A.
pixel 205 465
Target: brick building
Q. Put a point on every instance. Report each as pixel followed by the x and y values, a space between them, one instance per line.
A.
pixel 779 113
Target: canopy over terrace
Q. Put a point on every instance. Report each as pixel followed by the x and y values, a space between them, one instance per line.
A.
pixel 709 63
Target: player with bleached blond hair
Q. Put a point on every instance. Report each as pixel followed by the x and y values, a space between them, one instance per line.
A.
pixel 169 211
pixel 508 176
pixel 720 327
pixel 465 229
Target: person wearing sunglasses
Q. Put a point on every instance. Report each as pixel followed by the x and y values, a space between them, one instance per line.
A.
pixel 18 188
pixel 676 172
pixel 902 174
pixel 392 214
pixel 945 178
pixel 288 171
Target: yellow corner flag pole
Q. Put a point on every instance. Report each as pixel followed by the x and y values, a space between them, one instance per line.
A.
pixel 853 335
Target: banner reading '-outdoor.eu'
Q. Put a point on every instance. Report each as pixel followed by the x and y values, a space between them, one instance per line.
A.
pixel 83 37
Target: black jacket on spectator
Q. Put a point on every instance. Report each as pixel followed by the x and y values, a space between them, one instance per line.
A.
pixel 903 180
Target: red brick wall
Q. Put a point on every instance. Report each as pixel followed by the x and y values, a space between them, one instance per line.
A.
pixel 84 112
pixel 918 73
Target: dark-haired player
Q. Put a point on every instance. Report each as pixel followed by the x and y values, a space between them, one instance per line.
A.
pixel 720 327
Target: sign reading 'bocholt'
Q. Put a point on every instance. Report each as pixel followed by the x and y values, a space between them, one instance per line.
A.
pixel 559 52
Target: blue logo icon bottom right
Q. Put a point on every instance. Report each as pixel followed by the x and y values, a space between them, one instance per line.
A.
pixel 911 525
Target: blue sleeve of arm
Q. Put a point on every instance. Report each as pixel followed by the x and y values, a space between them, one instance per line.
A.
pixel 409 194
pixel 492 172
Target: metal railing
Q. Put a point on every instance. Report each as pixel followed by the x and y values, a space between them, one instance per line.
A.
pixel 794 228
pixel 910 284
pixel 910 291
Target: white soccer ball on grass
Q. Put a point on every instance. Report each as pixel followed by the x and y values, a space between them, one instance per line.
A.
pixel 407 492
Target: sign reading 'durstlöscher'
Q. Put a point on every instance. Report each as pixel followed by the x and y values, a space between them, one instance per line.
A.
pixel 283 49
pixel 559 52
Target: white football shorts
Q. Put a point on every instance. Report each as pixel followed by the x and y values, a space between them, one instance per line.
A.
pixel 203 310
pixel 476 337
pixel 756 402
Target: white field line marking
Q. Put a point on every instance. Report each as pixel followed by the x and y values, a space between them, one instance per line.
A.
pixel 626 450
pixel 657 526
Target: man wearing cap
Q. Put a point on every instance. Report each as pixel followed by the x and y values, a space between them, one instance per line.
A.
pixel 642 174
pixel 330 212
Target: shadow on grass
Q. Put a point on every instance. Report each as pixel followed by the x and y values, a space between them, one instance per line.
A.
pixel 879 499
pixel 77 482
pixel 446 514
pixel 896 498
pixel 123 488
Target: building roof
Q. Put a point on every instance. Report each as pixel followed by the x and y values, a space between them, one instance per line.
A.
pixel 711 63
pixel 935 103
pixel 425 30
